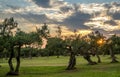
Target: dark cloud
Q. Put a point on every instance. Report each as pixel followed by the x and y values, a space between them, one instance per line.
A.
pixel 100 30
pixel 28 18
pixel 117 4
pixel 65 9
pixel 76 7
pixel 35 18
pixel 107 6
pixel 77 20
pixel 42 3
pixel 111 22
pixel 13 7
pixel 48 3
pixel 8 15
pixel 57 2
pixel 106 34
pixel 116 15
pixel 116 32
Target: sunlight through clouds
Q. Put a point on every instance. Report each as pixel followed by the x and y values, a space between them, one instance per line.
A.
pixel 72 15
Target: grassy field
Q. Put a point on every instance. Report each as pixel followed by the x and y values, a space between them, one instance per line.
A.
pixel 55 67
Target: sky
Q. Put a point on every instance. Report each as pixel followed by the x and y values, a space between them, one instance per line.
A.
pixel 91 1
pixel 83 15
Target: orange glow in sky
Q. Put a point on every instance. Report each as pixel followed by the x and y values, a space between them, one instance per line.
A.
pixel 81 32
pixel 100 42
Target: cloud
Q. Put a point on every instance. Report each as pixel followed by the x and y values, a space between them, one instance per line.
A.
pixel 105 16
pixel 42 3
pixel 111 22
pixel 49 3
pixel 95 16
pixel 65 9
pixel 77 20
pixel 12 6
pixel 116 16
pixel 35 18
pixel 116 4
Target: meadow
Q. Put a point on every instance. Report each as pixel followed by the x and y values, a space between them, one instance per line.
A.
pixel 55 67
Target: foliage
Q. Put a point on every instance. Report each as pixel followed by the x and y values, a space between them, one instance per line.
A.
pixel 55 46
pixel 44 31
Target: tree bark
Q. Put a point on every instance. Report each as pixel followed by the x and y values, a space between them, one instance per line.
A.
pixel 113 56
pixel 12 71
pixel 97 54
pixel 99 60
pixel 10 61
pixel 18 60
pixel 30 54
pixel 87 57
pixel 72 61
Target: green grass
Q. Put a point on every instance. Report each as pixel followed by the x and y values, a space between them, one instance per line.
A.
pixel 55 67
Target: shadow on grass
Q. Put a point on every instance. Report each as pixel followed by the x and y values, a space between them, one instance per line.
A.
pixel 42 70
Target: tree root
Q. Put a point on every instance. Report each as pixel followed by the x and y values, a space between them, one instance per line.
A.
pixel 114 61
pixel 71 68
pixel 12 74
pixel 92 63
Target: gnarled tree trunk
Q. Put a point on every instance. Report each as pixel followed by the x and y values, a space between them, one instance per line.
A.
pixel 18 60
pixel 10 61
pixel 16 71
pixel 30 54
pixel 99 60
pixel 112 56
pixel 72 61
pixel 97 55
pixel 87 57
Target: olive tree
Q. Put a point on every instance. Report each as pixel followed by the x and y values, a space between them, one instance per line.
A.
pixel 96 40
pixel 112 43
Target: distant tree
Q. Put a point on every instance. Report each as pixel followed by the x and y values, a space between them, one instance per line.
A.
pixel 6 32
pixel 2 41
pixel 60 45
pixel 14 40
pixel 84 50
pixel 21 38
pixel 44 31
pixel 55 46
pixel 7 26
pixel 59 32
pixel 96 40
pixel 72 45
pixel 112 44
